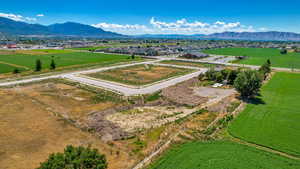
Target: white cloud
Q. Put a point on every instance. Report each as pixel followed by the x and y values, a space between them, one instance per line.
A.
pixel 263 29
pixel 16 17
pixel 40 15
pixel 124 29
pixel 181 26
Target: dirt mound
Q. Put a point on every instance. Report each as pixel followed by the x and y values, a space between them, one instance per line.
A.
pixel 183 93
pixel 105 129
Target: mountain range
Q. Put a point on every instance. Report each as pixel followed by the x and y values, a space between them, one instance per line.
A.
pixel 16 28
pixel 11 27
pixel 262 36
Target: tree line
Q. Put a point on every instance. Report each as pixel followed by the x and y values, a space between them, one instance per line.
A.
pixel 246 81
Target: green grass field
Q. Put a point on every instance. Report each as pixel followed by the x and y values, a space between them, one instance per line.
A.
pixel 62 59
pixel 275 120
pixel 221 155
pixel 4 68
pixel 90 48
pixel 257 56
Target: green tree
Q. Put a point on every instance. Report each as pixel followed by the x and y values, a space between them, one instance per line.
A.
pixel 52 65
pixel 248 83
pixel 16 71
pixel 38 65
pixel 265 69
pixel 132 56
pixel 283 51
pixel 75 158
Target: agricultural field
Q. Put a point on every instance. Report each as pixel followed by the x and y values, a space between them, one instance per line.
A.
pixel 184 63
pixel 257 56
pixel 4 68
pixel 140 74
pixel 272 120
pixel 62 58
pixel 221 155
pixel 90 48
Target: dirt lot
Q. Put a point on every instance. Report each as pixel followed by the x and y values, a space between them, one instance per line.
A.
pixel 184 94
pixel 140 74
pixel 141 118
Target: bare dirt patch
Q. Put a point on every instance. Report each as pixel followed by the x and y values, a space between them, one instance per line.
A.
pixel 140 74
pixel 183 93
pixel 141 118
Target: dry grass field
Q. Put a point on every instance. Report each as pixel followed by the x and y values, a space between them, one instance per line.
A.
pixel 30 131
pixel 140 74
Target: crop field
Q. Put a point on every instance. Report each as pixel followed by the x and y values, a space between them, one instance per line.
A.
pixel 62 58
pixel 90 48
pixel 257 56
pixel 140 74
pixel 221 155
pixel 272 120
pixel 4 68
pixel 184 63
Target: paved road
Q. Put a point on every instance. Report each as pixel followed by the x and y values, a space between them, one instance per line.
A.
pixel 120 88
pixel 127 90
pixel 35 79
pixel 130 91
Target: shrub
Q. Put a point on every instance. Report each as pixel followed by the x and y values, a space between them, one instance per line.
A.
pixel 75 158
pixel 283 51
pixel 153 97
pixel 16 71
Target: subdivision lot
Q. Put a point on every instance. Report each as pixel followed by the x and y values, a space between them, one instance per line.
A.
pixel 62 58
pixel 258 56
pixel 272 120
pixel 140 74
pixel 184 63
pixel 221 155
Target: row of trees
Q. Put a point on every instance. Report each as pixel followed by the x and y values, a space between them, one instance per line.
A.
pixel 247 82
pixel 38 65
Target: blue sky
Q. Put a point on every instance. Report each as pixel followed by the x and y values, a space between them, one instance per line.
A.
pixel 164 16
